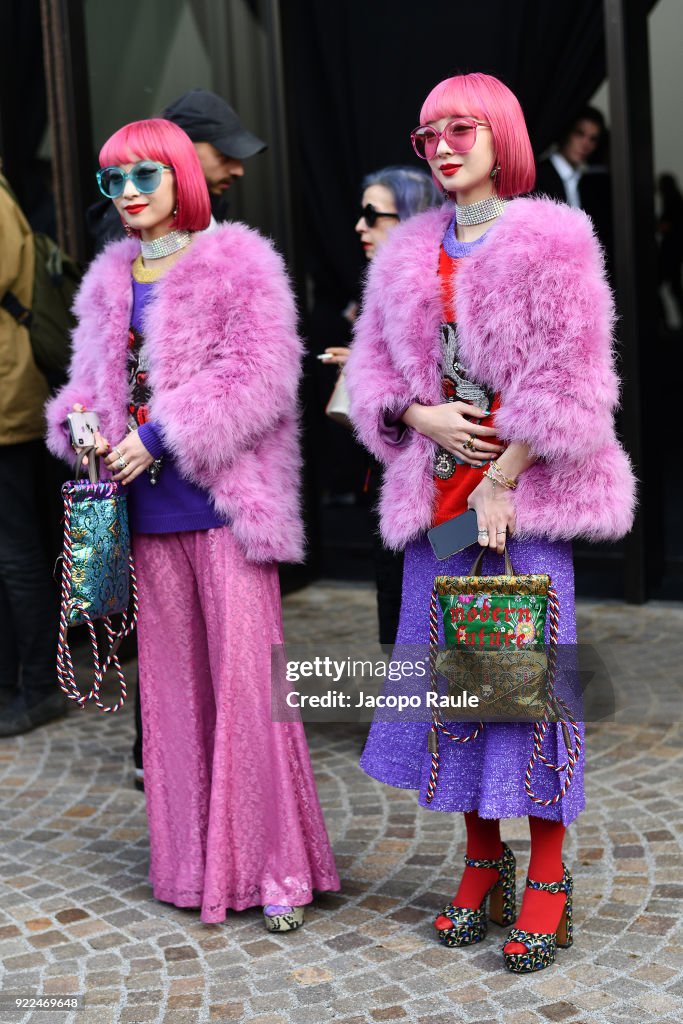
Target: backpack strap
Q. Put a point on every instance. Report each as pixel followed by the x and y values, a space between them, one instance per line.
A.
pixel 15 308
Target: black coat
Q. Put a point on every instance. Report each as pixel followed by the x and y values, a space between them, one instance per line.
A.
pixel 595 196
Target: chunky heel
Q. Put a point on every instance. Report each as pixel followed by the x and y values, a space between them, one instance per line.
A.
pixel 469 926
pixel 565 930
pixel 503 897
pixel 542 946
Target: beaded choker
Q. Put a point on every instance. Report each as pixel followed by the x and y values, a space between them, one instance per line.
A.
pixel 479 213
pixel 166 245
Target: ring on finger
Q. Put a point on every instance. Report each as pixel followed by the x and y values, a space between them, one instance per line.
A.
pixel 500 533
pixel 468 445
pixel 121 462
pixel 482 533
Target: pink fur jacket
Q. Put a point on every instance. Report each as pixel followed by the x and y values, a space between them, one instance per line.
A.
pixel 224 367
pixel 535 319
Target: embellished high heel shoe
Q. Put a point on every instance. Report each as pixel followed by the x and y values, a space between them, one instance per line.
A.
pixel 470 926
pixel 282 919
pixel 541 946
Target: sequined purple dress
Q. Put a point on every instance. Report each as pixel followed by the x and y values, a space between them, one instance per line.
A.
pixel 487 774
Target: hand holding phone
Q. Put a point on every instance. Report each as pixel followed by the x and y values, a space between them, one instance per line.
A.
pixel 83 426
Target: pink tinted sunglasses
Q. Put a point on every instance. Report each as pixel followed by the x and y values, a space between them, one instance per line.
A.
pixel 460 135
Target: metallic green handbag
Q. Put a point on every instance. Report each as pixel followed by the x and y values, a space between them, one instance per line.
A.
pixel 98 577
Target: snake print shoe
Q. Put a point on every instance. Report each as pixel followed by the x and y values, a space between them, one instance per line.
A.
pixel 470 926
pixel 541 946
pixel 283 919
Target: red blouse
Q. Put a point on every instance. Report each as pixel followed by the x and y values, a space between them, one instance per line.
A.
pixel 455 480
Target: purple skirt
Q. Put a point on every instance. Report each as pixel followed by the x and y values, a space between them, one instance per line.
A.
pixel 486 774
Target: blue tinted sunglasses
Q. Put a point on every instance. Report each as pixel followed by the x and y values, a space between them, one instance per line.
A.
pixel 145 175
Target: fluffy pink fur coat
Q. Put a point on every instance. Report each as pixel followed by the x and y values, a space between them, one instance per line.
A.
pixel 225 363
pixel 535 322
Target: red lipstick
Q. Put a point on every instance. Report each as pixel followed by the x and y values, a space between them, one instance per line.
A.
pixel 135 208
pixel 449 169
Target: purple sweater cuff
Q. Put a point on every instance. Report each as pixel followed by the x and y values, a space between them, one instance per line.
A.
pixel 151 437
pixel 392 429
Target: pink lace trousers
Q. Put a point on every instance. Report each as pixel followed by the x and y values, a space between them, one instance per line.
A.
pixel 234 817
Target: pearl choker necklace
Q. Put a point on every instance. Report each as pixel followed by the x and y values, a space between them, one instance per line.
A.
pixel 479 213
pixel 166 245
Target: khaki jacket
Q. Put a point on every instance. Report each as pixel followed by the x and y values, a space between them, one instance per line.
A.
pixel 23 388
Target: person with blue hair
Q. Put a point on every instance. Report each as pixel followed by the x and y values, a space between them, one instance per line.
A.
pixel 389 197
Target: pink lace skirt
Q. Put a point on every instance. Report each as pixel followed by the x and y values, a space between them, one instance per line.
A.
pixel 233 811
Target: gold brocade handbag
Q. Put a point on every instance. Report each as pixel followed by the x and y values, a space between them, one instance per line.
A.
pixel 494 629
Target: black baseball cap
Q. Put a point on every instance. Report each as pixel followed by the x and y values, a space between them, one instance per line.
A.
pixel 208 118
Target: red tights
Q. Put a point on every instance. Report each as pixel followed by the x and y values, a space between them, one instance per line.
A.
pixel 541 911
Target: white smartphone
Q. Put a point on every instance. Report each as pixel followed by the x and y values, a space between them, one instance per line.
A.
pixel 83 426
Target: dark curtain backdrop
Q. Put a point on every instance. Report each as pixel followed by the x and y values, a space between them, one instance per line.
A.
pixel 23 104
pixel 360 71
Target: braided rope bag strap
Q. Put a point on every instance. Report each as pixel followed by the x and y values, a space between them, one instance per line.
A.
pixel 437 721
pixel 66 674
pixel 567 723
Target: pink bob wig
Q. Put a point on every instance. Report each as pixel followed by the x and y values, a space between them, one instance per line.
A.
pixel 157 139
pixel 487 99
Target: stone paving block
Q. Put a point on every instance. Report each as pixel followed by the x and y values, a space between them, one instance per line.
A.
pixel 523 1017
pixel 103 996
pixel 173 953
pixel 46 939
pixel 141 1014
pixel 194 983
pixel 276 1001
pixel 226 1011
pixel 107 940
pixel 560 1011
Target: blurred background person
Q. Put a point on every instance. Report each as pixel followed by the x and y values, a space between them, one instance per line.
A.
pixel 576 171
pixel 222 144
pixel 559 174
pixel 390 197
pixel 670 231
pixel 28 598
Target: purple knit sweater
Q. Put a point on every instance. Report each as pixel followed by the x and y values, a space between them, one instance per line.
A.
pixel 172 505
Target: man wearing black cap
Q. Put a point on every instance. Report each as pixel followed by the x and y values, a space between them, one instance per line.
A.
pixel 219 138
pixel 221 142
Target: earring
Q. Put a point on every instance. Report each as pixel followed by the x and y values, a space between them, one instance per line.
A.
pixel 495 170
pixel 127 228
pixel 175 211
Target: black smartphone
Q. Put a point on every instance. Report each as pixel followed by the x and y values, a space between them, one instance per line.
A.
pixel 454 535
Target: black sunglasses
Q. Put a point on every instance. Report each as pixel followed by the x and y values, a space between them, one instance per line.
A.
pixel 370 215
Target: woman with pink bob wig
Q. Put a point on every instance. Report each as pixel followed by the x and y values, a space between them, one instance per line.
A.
pixel 482 376
pixel 187 348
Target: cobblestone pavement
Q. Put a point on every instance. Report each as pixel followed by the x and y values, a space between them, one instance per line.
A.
pixel 77 916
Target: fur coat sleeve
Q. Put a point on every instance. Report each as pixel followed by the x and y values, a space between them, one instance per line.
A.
pixel 552 330
pixel 247 378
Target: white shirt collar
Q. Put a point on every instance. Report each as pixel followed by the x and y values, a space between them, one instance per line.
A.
pixel 571 176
